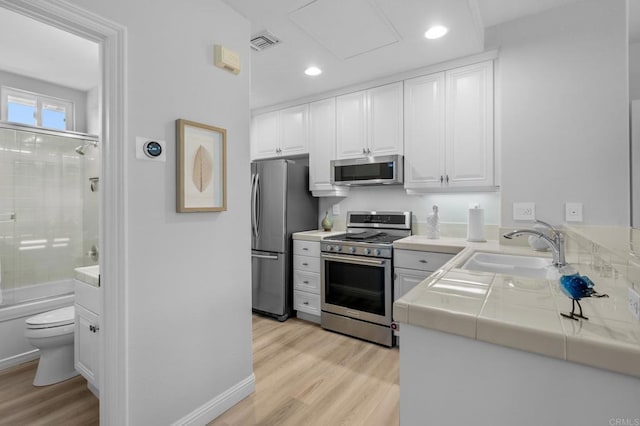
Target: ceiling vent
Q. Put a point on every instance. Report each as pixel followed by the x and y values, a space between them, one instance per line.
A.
pixel 263 41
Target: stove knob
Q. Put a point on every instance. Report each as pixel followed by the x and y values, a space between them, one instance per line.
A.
pixel 377 252
pixel 367 251
pixel 352 249
pixel 338 248
pixel 330 248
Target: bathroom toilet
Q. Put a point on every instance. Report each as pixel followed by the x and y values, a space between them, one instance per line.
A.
pixel 52 333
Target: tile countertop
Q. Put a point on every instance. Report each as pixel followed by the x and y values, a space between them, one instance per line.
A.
pixel 315 235
pixel 522 313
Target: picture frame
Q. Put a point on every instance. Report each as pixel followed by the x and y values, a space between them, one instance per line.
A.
pixel 201 167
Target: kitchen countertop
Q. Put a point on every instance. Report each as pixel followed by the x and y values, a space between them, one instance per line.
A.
pixel 315 235
pixel 523 313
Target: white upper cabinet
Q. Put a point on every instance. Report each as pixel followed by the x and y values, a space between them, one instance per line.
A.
pixel 322 148
pixel 370 122
pixel 280 133
pixel 449 129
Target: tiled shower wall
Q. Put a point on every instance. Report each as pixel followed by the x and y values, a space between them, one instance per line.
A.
pixel 42 180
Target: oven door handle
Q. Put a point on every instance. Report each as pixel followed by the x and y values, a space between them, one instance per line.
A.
pixel 354 260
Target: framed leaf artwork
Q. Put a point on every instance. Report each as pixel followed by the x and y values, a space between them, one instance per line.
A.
pixel 201 167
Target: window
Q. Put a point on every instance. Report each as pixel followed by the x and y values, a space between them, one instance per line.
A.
pixel 38 110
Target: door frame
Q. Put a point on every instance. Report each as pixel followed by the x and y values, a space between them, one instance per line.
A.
pixel 111 38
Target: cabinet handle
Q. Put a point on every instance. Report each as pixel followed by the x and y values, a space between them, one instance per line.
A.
pixel 368 151
pixel 305 303
pixel 364 151
pixel 447 178
pixel 94 328
pixel 423 261
pixel 305 248
pixel 305 282
pixel 441 179
pixel 305 264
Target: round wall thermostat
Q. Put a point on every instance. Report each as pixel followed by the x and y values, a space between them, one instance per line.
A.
pixel 152 149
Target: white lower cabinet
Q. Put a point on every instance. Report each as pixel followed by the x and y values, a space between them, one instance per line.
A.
pixel 411 267
pixel 86 336
pixel 306 279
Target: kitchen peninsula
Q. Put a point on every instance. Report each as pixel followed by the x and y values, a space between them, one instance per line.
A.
pixel 487 348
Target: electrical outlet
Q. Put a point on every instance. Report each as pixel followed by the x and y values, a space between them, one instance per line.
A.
pixel 524 211
pixel 573 212
pixel 336 209
pixel 633 298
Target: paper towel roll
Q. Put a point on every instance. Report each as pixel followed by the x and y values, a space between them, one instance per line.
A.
pixel 475 225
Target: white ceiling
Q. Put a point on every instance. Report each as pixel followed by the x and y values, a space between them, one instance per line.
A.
pixel 41 51
pixel 351 40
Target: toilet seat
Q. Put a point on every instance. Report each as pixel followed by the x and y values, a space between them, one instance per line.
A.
pixel 56 318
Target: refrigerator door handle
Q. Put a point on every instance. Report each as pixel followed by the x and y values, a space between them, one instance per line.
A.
pixel 258 208
pixel 264 256
pixel 254 218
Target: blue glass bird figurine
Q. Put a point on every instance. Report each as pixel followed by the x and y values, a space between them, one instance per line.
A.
pixel 576 287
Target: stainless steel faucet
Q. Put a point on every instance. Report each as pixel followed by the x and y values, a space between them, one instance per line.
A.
pixel 556 242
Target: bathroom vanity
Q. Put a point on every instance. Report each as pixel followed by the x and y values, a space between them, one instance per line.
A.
pixel 88 311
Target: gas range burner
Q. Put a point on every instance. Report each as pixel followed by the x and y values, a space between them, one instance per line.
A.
pixel 370 234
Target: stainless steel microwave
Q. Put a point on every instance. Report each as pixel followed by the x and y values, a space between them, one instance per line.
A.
pixel 382 170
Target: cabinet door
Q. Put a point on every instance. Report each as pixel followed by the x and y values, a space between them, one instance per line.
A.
pixel 385 127
pixel 424 121
pixel 322 143
pixel 265 135
pixel 293 130
pixel 405 280
pixel 351 129
pixel 87 344
pixel 469 133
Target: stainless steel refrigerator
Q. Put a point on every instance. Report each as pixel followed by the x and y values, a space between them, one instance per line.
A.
pixel 281 204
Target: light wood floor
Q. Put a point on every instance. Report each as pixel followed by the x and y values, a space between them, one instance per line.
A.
pixel 309 376
pixel 304 376
pixel 67 403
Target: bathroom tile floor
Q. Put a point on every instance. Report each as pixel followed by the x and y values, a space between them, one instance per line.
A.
pixel 67 403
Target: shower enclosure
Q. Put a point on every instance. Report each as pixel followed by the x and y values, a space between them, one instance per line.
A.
pixel 48 211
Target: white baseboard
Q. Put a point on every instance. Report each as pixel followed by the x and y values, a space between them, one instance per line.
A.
pixel 19 359
pixel 218 405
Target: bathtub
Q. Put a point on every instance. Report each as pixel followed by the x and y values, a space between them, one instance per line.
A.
pixel 28 301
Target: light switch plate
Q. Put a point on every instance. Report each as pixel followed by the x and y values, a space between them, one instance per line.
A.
pixel 336 209
pixel 633 298
pixel 524 211
pixel 573 212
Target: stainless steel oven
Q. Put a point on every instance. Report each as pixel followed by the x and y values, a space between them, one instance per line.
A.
pixel 357 275
pixel 358 287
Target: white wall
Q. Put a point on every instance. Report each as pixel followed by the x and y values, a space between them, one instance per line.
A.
pixel 634 70
pixel 562 78
pixel 188 275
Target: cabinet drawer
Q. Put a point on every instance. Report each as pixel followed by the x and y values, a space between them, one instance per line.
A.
pixel 306 263
pixel 306 281
pixel 306 248
pixel 421 260
pixel 306 302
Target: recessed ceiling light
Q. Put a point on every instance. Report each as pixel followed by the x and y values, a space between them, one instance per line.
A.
pixel 313 71
pixel 436 31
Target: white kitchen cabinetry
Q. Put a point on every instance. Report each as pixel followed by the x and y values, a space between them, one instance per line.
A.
pixel 370 122
pixel 449 130
pixel 412 267
pixel 280 133
pixel 322 149
pixel 86 334
pixel 306 279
